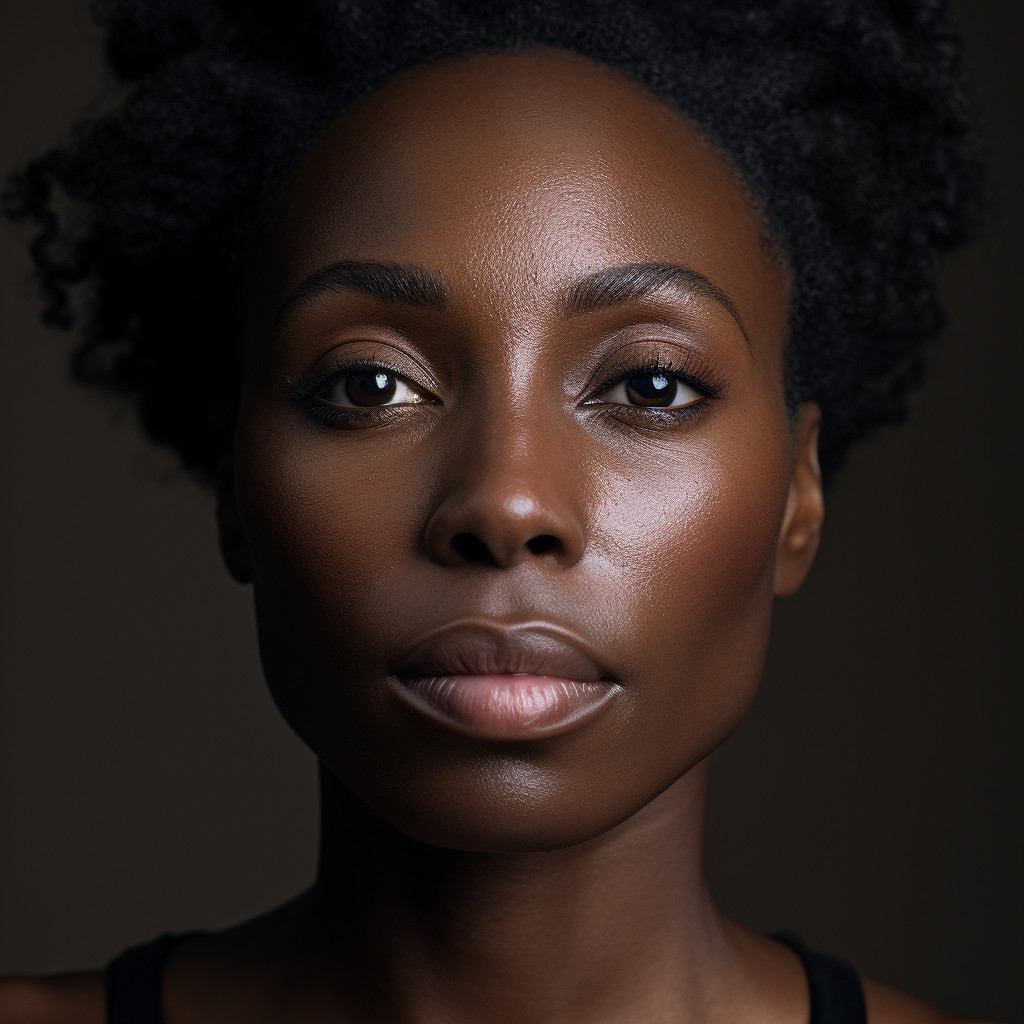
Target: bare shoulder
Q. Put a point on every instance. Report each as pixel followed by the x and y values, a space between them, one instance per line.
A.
pixel 60 999
pixel 888 1006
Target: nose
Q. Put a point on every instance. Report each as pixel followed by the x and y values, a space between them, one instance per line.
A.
pixel 506 499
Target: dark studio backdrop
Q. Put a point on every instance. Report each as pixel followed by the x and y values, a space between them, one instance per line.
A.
pixel 870 801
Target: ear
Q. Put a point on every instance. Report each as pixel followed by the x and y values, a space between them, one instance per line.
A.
pixel 234 547
pixel 805 506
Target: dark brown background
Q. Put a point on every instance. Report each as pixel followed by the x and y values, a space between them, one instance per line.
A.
pixel 870 801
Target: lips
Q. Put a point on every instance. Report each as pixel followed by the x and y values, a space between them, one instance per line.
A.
pixel 499 682
pixel 479 648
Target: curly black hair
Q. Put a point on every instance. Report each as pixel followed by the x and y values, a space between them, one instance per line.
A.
pixel 847 121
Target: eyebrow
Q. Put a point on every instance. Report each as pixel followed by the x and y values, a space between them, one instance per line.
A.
pixel 425 289
pixel 389 282
pixel 614 285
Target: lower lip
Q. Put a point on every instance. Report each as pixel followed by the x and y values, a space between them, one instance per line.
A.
pixel 506 707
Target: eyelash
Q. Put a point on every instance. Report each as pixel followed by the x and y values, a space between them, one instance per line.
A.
pixel 306 394
pixel 691 371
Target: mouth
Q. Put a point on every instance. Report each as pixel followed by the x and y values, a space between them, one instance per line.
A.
pixel 490 681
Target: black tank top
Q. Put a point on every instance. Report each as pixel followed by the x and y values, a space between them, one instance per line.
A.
pixel 134 983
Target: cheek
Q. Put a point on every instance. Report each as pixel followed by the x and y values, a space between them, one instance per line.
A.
pixel 330 533
pixel 691 555
pixel 322 530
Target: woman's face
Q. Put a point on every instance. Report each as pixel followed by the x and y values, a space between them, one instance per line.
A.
pixel 513 462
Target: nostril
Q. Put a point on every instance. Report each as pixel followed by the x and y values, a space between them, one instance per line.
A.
pixel 472 548
pixel 542 543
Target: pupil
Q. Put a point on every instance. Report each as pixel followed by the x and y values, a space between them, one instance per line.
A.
pixel 373 388
pixel 651 389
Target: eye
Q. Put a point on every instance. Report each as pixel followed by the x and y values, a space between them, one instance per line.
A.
pixel 371 387
pixel 653 388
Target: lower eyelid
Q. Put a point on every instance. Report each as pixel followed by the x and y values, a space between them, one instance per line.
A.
pixel 634 417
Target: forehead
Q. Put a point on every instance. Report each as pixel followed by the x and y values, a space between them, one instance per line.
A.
pixel 503 169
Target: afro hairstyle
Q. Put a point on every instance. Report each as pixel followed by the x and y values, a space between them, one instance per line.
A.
pixel 847 121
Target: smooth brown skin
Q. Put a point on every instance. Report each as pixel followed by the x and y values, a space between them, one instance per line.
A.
pixel 466 880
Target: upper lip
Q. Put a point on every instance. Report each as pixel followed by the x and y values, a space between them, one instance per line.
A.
pixel 480 647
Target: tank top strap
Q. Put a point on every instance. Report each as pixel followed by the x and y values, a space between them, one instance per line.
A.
pixel 134 981
pixel 837 996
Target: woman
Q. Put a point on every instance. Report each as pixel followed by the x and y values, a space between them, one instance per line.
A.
pixel 512 345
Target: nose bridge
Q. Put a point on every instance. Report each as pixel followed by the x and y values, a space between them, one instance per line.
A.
pixel 506 492
pixel 510 426
pixel 514 455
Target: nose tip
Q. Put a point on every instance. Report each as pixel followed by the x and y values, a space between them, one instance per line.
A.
pixel 503 522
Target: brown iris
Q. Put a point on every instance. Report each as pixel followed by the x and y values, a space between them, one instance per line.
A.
pixel 375 387
pixel 651 389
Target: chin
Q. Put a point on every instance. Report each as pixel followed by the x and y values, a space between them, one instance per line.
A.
pixel 518 821
pixel 508 802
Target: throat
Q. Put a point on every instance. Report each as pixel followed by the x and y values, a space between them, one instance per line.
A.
pixel 590 932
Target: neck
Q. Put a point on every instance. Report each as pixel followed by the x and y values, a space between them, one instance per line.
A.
pixel 614 924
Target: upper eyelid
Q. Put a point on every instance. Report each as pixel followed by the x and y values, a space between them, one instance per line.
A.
pixel 372 353
pixel 644 346
pixel 639 370
pixel 330 376
pixel 705 388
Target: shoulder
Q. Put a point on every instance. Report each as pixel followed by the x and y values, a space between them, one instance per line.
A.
pixel 888 1006
pixel 61 999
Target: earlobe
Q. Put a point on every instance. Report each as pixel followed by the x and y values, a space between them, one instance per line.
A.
pixel 805 505
pixel 234 547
